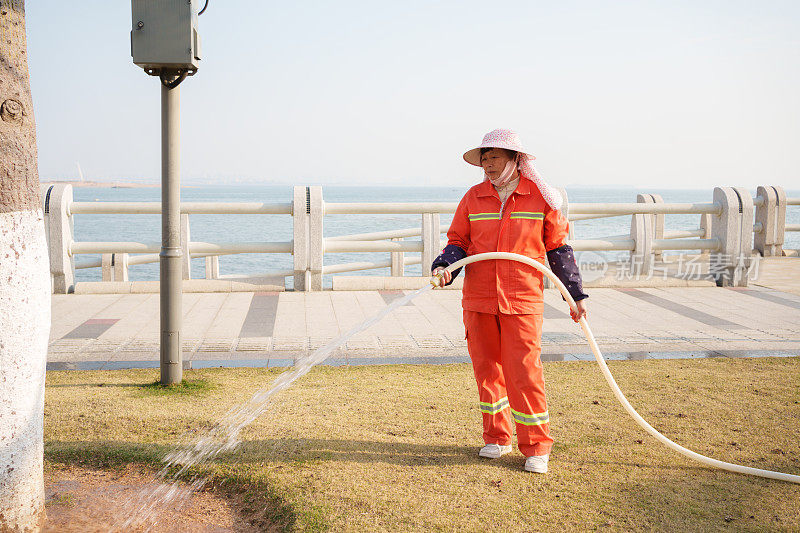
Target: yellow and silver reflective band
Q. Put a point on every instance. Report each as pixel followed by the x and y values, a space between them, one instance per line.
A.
pixel 483 216
pixel 527 214
pixel 494 408
pixel 531 420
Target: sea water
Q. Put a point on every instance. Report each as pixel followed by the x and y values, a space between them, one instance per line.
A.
pixel 255 228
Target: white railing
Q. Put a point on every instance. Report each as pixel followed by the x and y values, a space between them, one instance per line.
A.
pixel 643 208
pixel 388 208
pixel 188 208
pixel 760 223
pixel 792 227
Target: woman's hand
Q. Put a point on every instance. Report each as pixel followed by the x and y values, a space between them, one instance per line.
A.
pixel 581 305
pixel 445 277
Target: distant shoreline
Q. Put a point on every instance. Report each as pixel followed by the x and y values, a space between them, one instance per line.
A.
pixel 104 184
pixel 110 184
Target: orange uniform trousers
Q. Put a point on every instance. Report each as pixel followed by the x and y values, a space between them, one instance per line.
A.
pixel 505 351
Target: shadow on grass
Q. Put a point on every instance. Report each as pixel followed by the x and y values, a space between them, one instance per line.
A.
pixel 104 454
pixel 154 388
pixel 187 386
pixel 93 385
pixel 114 454
pixel 299 451
pixel 265 504
pixel 719 500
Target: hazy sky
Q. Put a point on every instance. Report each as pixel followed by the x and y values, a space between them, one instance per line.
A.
pixel 686 94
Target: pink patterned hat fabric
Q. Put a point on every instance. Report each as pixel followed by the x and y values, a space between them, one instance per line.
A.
pixel 501 138
pixel 496 139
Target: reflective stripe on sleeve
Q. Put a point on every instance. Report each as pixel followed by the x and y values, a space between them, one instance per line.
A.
pixel 494 408
pixel 528 215
pixel 484 216
pixel 531 420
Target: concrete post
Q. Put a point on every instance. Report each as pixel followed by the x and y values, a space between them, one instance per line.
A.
pixel 565 211
pixel 431 240
pixel 114 267
pixel 106 267
pixel 59 237
pixel 780 220
pixel 44 194
pixel 656 220
pixel 120 263
pixel 212 267
pixel 641 257
pixel 186 261
pixel 705 225
pixel 43 190
pixel 316 244
pixel 733 228
pixel 747 212
pixel 398 261
pixel 772 216
pixel 301 208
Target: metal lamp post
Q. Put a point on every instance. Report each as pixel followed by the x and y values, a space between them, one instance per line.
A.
pixel 170 270
pixel 165 43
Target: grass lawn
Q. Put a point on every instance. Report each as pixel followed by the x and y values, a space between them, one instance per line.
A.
pixel 394 448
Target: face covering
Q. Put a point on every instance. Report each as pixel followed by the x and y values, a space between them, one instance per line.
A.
pixel 550 194
pixel 505 176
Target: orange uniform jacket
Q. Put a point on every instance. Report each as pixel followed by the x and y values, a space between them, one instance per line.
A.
pixel 528 226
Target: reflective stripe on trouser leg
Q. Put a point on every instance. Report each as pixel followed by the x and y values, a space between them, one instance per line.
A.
pixel 483 342
pixel 520 339
pixel 494 408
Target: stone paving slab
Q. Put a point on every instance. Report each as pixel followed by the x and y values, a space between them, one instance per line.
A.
pixel 111 331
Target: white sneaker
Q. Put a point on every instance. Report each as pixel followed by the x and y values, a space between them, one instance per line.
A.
pixel 537 463
pixel 493 451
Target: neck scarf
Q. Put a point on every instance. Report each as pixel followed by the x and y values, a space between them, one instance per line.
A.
pixel 550 194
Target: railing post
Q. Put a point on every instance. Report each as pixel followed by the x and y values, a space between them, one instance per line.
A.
pixel 316 241
pixel 656 219
pixel 705 225
pixel 398 261
pixel 300 247
pixel 212 267
pixel 120 262
pixel 431 240
pixel 106 267
pixel 43 188
pixel 772 216
pixel 565 212
pixel 187 257
pixel 733 227
pixel 60 237
pixel 641 257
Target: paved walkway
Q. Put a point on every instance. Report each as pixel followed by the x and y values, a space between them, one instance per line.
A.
pixel 108 331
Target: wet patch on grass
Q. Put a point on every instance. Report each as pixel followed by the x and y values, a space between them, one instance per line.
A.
pixel 187 386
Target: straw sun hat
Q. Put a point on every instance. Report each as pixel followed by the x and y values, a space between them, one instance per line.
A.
pixel 498 138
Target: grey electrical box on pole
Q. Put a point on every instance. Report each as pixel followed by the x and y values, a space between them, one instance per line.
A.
pixel 164 35
pixel 165 43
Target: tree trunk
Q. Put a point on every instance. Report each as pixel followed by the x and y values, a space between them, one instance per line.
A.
pixel 24 287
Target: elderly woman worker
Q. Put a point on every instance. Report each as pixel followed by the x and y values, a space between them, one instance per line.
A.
pixel 512 210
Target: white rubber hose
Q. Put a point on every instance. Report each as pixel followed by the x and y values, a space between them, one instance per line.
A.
pixel 610 379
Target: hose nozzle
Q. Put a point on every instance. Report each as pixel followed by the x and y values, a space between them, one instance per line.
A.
pixel 436 280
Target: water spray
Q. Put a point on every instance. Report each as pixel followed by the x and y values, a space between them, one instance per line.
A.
pixel 714 463
pixel 223 436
